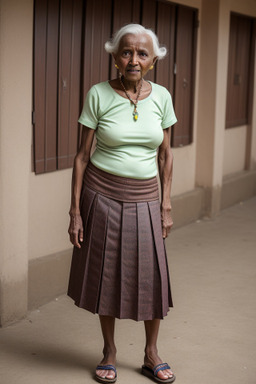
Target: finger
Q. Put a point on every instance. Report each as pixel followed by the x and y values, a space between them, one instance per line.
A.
pixel 76 242
pixel 71 237
pixel 164 232
pixel 81 235
pixel 168 230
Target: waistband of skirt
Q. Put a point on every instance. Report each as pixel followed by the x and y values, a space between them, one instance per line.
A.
pixel 120 188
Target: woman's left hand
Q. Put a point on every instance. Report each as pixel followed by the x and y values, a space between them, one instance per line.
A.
pixel 167 222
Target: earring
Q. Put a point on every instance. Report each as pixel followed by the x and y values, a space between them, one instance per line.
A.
pixel 152 66
pixel 116 66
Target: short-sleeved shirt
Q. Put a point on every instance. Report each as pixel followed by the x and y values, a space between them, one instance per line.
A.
pixel 126 147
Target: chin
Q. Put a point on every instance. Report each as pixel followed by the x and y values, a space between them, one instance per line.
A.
pixel 133 76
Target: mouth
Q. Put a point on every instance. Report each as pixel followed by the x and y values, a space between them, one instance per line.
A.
pixel 133 70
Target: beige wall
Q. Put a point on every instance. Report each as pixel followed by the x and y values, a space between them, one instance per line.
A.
pixel 189 3
pixel 49 201
pixel 34 208
pixel 16 21
pixel 184 157
pixel 184 169
pixel 246 7
pixel 214 34
pixel 252 159
pixel 214 154
pixel 234 150
pixel 237 149
pixel 49 219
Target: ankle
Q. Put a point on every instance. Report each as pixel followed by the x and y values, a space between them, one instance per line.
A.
pixel 151 352
pixel 109 350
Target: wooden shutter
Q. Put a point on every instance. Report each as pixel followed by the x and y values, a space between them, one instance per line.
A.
pixel 240 45
pixel 97 32
pixel 184 75
pixel 57 58
pixel 175 26
pixel 45 84
pixel 69 57
pixel 166 34
pixel 69 80
pixel 149 14
pixel 124 12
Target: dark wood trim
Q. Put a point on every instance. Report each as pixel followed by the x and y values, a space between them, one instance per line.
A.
pixel 185 58
pixel 238 113
pixel 81 62
pixel 252 96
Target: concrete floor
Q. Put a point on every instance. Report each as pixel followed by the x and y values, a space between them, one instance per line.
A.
pixel 208 338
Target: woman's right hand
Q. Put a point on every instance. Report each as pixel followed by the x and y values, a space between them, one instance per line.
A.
pixel 75 230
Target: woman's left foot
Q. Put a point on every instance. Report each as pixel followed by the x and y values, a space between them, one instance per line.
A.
pixel 154 367
pixel 108 378
pixel 106 370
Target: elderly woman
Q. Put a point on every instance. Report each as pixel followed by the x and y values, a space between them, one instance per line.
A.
pixel 117 225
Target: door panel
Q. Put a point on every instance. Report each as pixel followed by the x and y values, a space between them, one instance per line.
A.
pixel 97 32
pixel 125 12
pixel 149 13
pixel 184 78
pixel 166 34
pixel 69 80
pixel 45 84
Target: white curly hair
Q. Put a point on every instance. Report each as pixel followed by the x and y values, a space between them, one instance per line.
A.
pixel 112 45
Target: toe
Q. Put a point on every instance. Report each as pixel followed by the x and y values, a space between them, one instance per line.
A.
pixel 162 375
pixel 168 372
pixel 165 374
pixel 101 373
pixel 110 375
pixel 105 374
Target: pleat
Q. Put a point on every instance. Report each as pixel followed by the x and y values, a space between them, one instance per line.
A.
pixel 121 269
pixel 109 301
pixel 168 279
pixel 79 257
pixel 95 250
pixel 129 262
pixel 145 263
pixel 161 256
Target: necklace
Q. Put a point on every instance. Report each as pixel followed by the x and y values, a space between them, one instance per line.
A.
pixel 135 112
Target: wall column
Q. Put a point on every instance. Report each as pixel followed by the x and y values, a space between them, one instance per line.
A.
pixel 251 135
pixel 16 31
pixel 214 41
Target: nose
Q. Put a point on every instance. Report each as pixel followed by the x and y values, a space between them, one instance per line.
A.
pixel 134 59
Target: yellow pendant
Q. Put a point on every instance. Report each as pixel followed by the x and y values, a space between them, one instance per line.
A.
pixel 135 115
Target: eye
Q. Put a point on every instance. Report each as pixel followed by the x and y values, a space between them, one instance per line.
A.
pixel 143 54
pixel 126 53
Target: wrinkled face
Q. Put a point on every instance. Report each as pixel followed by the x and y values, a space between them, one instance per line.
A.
pixel 135 56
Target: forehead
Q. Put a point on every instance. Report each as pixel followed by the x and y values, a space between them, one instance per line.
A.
pixel 141 41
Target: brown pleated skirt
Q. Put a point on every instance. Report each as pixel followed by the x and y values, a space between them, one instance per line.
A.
pixel 121 269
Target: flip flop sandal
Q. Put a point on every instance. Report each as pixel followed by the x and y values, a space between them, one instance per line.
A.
pixel 105 368
pixel 152 373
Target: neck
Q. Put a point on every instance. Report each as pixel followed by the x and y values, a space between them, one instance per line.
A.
pixel 131 86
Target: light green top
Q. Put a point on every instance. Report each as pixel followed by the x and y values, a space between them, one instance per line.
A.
pixel 126 147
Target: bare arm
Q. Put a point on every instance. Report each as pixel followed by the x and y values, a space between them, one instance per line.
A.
pixel 165 164
pixel 80 163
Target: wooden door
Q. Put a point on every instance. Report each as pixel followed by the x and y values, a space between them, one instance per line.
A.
pixel 184 75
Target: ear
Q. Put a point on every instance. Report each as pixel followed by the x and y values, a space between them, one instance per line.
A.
pixel 155 59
